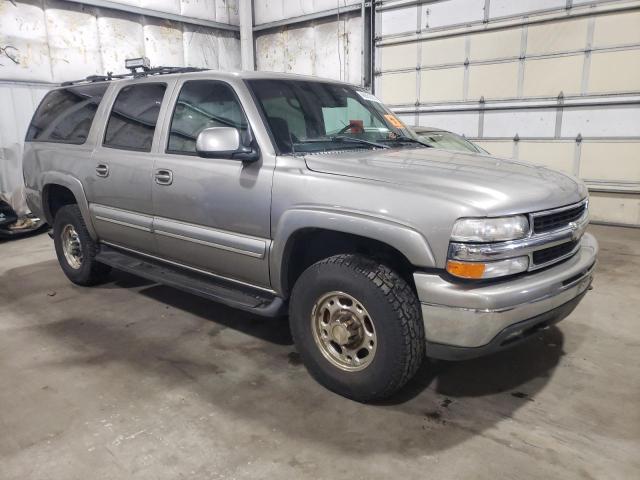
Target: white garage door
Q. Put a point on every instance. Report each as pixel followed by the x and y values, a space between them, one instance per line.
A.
pixel 554 82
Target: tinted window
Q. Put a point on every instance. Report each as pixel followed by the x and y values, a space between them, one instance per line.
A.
pixel 203 104
pixel 65 115
pixel 134 116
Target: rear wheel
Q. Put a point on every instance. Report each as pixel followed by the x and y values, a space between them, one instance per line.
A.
pixel 357 326
pixel 75 249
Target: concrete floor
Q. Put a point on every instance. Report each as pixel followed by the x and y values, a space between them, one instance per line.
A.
pixel 135 380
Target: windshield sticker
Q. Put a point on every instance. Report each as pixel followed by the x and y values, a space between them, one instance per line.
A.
pixel 393 120
pixel 367 96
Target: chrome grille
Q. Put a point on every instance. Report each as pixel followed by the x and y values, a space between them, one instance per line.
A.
pixel 551 254
pixel 545 222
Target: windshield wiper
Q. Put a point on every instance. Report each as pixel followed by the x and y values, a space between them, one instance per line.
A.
pixel 405 138
pixel 344 138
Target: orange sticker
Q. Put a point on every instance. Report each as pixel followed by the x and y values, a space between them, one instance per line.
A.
pixel 393 120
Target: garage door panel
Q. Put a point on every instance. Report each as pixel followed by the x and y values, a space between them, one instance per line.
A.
pixel 463 123
pixel 496 44
pixel 557 37
pixel 445 84
pixel 504 8
pixel 443 51
pixel 614 161
pixel 621 121
pixel 613 72
pixel 524 123
pixel 497 148
pixel 394 57
pixel 452 12
pixel 498 80
pixel 557 155
pixel 614 208
pixel 401 20
pixel 616 30
pixel 550 76
pixel 398 88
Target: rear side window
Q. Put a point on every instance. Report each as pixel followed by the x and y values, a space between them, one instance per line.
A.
pixel 65 115
pixel 203 104
pixel 134 115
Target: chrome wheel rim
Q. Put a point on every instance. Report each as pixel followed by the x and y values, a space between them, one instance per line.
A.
pixel 344 331
pixel 71 246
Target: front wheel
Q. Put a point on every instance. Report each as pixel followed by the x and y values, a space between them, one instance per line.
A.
pixel 357 326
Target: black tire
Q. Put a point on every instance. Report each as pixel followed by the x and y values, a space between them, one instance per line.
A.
pixel 90 272
pixel 394 310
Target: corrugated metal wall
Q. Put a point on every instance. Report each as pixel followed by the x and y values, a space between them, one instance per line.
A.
pixel 47 42
pixel 554 82
pixel 327 48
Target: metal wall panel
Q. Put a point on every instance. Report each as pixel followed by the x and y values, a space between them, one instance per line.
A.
pixel 327 48
pixel 266 11
pixel 55 41
pixel 23 27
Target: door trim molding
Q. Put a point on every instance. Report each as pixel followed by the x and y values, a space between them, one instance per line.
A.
pixel 193 269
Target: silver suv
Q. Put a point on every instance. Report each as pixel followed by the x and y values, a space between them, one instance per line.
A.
pixel 273 193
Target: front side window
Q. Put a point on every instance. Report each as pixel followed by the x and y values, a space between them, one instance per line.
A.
pixel 203 104
pixel 134 115
pixel 312 116
pixel 65 115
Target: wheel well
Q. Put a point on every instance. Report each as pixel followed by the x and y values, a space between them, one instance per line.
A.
pixel 55 197
pixel 309 245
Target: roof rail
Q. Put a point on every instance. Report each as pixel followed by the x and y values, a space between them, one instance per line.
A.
pixel 134 74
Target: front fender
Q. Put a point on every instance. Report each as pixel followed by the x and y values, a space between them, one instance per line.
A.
pixel 75 186
pixel 412 244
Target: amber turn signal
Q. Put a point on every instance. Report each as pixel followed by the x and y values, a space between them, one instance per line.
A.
pixel 465 269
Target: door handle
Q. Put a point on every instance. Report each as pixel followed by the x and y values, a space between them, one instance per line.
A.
pixel 163 177
pixel 102 170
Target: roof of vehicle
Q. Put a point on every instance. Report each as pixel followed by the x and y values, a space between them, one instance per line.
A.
pixel 176 72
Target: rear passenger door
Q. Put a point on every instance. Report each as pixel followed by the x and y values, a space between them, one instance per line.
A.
pixel 119 184
pixel 214 213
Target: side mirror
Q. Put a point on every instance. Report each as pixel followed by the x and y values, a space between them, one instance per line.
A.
pixel 224 142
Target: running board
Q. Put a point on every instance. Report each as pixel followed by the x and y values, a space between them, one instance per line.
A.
pixel 221 291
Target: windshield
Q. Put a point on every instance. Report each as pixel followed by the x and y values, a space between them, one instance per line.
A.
pixel 309 116
pixel 448 141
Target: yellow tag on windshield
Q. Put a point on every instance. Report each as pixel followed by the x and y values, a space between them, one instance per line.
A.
pixel 393 120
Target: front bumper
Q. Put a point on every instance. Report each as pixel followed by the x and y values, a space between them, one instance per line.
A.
pixel 466 320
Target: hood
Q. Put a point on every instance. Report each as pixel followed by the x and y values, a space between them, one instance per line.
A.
pixel 491 186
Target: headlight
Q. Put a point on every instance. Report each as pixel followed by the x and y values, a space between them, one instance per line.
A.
pixel 479 270
pixel 490 229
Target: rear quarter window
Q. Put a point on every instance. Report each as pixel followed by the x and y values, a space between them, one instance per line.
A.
pixel 65 115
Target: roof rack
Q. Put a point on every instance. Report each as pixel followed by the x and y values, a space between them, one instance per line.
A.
pixel 134 73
